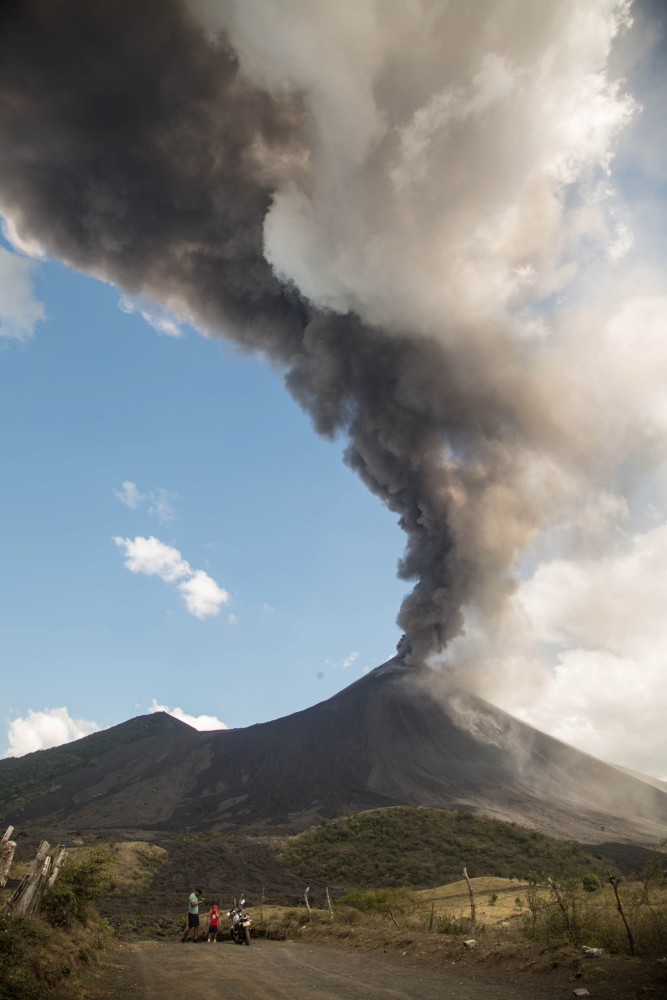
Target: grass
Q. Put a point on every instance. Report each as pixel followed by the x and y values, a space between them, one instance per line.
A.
pixel 517 919
pixel 40 962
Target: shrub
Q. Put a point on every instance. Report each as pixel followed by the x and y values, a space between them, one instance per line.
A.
pixel 40 963
pixel 590 883
pixel 80 882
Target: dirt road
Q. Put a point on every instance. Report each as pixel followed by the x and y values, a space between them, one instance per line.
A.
pixel 270 970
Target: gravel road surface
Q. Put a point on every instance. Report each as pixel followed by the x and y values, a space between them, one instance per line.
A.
pixel 270 970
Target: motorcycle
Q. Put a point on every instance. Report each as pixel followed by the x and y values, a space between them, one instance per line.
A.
pixel 241 924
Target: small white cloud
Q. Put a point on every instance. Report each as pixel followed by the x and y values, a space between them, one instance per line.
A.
pixel 202 595
pixel 49 728
pixel 345 663
pixel 160 505
pixel 158 500
pixel 204 723
pixel 20 311
pixel 154 558
pixel 129 494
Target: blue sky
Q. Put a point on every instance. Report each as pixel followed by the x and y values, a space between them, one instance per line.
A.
pixel 487 199
pixel 98 398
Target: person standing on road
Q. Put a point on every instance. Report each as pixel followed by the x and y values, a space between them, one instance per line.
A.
pixel 193 915
pixel 213 918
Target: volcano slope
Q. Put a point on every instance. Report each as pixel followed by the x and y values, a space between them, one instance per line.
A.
pixel 388 739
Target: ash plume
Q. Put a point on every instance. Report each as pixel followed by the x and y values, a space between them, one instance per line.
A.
pixel 379 199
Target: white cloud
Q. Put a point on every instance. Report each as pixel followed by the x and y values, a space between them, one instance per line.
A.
pixel 204 723
pixel 49 728
pixel 129 495
pixel 160 504
pixel 591 671
pixel 154 558
pixel 202 595
pixel 20 311
pixel 345 663
pixel 158 500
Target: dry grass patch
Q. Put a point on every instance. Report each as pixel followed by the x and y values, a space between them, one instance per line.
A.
pixel 496 899
pixel 133 864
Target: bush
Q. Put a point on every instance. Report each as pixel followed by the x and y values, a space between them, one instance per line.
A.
pixel 80 882
pixel 590 883
pixel 40 963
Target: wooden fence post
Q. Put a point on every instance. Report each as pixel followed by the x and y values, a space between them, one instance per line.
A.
pixel 27 892
pixel 40 885
pixel 7 848
pixel 326 889
pixel 472 900
pixel 305 896
pixel 59 859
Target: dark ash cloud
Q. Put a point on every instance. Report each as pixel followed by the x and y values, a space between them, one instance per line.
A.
pixel 135 147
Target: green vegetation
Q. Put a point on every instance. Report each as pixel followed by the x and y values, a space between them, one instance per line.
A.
pixel 590 883
pixel 81 881
pixel 45 957
pixel 405 846
pixel 40 962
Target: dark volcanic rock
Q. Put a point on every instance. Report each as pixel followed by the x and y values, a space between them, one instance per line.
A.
pixel 388 739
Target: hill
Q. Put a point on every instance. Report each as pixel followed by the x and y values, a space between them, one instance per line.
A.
pixel 427 847
pixel 28 777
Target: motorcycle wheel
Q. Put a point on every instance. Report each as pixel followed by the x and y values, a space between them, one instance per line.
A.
pixel 246 935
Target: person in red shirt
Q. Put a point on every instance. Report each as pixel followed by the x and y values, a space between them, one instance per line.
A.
pixel 213 918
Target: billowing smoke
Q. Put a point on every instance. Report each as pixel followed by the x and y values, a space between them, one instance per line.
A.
pixel 385 200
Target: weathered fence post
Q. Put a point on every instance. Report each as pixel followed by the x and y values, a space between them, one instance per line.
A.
pixel 7 848
pixel 58 861
pixel 326 889
pixel 472 900
pixel 305 896
pixel 40 885
pixel 27 892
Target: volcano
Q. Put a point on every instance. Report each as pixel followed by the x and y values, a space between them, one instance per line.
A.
pixel 391 738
